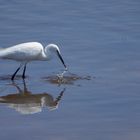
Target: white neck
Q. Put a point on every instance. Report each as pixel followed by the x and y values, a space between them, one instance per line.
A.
pixel 48 51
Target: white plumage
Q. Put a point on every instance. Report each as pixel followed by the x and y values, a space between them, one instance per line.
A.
pixel 30 51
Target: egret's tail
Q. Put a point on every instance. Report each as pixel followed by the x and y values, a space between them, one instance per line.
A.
pixel 2 53
pixel 2 49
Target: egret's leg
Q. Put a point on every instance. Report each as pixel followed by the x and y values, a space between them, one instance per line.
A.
pixel 23 75
pixel 13 76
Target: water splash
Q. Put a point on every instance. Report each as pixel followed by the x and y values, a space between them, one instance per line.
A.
pixel 61 75
pixel 66 78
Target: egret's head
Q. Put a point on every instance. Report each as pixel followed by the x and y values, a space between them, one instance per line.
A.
pixel 52 48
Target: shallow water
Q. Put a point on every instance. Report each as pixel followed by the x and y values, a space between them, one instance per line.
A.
pixel 99 97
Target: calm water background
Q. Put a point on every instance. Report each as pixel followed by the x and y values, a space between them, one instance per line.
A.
pixel 98 38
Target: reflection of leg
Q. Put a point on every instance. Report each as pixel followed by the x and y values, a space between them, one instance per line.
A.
pixel 18 88
pixel 13 76
pixel 24 85
pixel 60 95
pixel 23 75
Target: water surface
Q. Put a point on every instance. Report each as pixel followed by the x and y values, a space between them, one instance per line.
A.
pixel 99 41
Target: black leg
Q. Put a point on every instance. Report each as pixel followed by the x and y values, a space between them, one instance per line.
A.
pixel 13 76
pixel 23 75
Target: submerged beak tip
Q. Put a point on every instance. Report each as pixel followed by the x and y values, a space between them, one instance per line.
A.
pixel 66 68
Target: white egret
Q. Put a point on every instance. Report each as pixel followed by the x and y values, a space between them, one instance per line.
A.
pixel 30 51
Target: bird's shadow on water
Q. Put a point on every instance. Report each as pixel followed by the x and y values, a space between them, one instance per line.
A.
pixel 26 102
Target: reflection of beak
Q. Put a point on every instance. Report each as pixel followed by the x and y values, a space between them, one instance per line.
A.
pixel 59 55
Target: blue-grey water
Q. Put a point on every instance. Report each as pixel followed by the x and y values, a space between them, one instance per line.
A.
pixel 100 43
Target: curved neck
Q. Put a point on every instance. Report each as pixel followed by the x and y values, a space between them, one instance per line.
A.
pixel 47 53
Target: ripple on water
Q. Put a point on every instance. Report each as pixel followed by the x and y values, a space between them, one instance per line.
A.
pixel 8 77
pixel 68 79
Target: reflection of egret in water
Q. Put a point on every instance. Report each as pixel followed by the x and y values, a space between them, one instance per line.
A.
pixel 27 103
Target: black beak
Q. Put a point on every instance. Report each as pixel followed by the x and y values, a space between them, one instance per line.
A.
pixel 59 55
